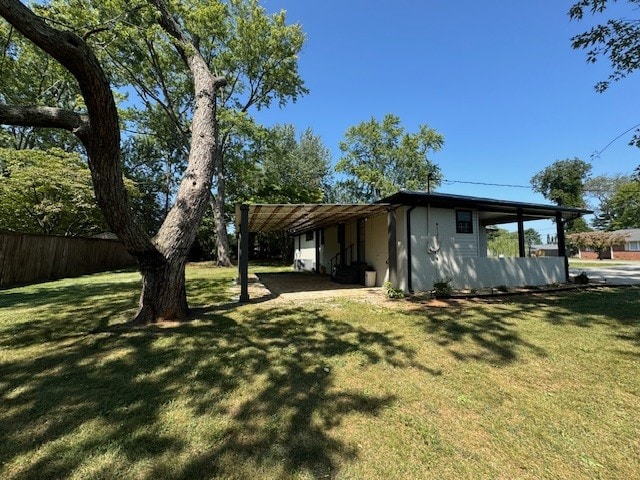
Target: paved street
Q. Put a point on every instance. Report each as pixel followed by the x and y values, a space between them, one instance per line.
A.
pixel 627 274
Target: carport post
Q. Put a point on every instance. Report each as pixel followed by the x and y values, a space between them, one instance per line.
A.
pixel 243 253
pixel 521 250
pixel 562 248
pixel 393 247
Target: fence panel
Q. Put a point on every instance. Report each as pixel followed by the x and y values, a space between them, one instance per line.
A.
pixel 28 258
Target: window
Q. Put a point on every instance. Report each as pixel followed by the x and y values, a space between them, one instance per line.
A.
pixel 464 221
pixel 309 236
pixel 634 246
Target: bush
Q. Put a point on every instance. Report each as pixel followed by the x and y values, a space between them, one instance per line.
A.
pixel 581 279
pixel 442 288
pixel 391 292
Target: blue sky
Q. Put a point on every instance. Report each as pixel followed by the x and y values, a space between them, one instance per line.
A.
pixel 498 79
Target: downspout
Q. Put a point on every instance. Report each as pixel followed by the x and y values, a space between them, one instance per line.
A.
pixel 409 257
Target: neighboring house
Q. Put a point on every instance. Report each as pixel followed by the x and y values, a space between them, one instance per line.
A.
pixel 545 250
pixel 629 250
pixel 412 239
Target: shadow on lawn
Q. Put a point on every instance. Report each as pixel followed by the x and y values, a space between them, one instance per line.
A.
pixel 263 384
pixel 488 332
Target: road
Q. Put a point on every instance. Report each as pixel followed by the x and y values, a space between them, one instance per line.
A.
pixel 625 274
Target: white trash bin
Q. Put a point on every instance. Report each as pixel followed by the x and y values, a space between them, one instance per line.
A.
pixel 369 279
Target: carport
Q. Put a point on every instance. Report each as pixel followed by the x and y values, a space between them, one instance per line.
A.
pixel 296 219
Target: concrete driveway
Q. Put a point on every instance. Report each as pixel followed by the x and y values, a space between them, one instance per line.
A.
pixel 625 274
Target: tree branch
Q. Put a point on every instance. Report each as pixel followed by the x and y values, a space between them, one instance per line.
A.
pixel 44 117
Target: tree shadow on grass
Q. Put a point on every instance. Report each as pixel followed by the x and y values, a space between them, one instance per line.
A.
pixel 477 334
pixel 257 391
pixel 488 331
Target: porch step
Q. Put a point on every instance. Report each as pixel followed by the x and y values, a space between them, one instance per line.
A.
pixel 347 275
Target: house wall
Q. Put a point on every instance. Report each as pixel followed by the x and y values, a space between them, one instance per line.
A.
pixel 626 255
pixel 439 253
pixel 434 238
pixel 304 254
pixel 377 246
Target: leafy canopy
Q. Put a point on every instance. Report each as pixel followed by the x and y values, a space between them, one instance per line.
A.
pixel 563 182
pixel 597 241
pixel 380 158
pixel 47 192
pixel 617 39
pixel 624 207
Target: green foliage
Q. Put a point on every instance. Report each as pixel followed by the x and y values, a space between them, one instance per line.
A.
pixel 380 158
pixel 48 192
pixel 281 168
pixel 616 39
pixel 601 189
pixel 597 241
pixel 563 182
pixel 442 288
pixel 28 76
pixel 257 52
pixel 532 237
pixel 391 292
pixel 624 206
pixel 502 243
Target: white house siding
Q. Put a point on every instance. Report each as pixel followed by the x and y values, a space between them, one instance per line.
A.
pixel 439 253
pixel 304 255
pixel 377 246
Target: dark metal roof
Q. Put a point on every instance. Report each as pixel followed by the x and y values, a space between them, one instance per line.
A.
pixel 301 217
pixel 510 209
pixel 298 218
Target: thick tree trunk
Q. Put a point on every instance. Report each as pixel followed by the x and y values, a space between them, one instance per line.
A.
pixel 222 238
pixel 163 296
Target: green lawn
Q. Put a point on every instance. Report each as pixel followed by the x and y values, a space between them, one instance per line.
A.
pixel 525 387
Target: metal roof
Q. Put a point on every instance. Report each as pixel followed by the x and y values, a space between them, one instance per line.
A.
pixel 503 211
pixel 298 218
pixel 302 217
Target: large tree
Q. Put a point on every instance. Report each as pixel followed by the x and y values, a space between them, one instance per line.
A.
pixel 379 158
pixel 255 51
pixel 600 190
pixel 623 207
pixel 563 181
pixel 161 258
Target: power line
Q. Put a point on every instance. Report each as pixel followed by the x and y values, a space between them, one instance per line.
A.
pixel 586 190
pixel 598 153
pixel 489 184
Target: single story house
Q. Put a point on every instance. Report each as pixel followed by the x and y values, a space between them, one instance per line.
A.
pixel 545 250
pixel 627 250
pixel 410 239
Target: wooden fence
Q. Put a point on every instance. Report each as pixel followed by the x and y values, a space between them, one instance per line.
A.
pixel 27 258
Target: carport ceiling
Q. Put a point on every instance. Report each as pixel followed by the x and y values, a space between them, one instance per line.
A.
pixel 300 218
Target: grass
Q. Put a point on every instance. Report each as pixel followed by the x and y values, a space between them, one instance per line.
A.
pixel 525 387
pixel 577 263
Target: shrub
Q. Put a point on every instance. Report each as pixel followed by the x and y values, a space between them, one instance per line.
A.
pixel 442 288
pixel 502 288
pixel 391 292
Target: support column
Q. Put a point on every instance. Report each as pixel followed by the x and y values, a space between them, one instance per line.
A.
pixel 317 237
pixel 393 247
pixel 562 246
pixel 243 253
pixel 521 250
